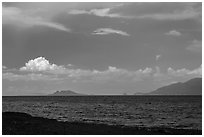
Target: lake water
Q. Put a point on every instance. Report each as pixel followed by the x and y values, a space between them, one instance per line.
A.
pixel 144 111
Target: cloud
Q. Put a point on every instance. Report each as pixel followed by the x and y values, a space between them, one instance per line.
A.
pixel 195 46
pixel 173 33
pixel 25 19
pixel 188 13
pixel 29 77
pixel 105 12
pixel 106 31
pixel 158 73
pixel 40 69
pixel 172 75
pixel 70 65
pixel 118 74
pixel 185 72
pixel 4 67
pixel 173 11
pixel 40 64
pixel 157 57
pixel 110 74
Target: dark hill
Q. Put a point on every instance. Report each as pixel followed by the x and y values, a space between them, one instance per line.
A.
pixel 65 93
pixel 191 87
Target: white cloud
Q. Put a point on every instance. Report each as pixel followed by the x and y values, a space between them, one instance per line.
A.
pixel 187 13
pixel 4 67
pixel 41 69
pixel 111 74
pixel 105 12
pixel 173 33
pixel 29 77
pixel 24 19
pixel 178 12
pixel 80 75
pixel 70 65
pixel 185 72
pixel 106 31
pixel 195 46
pixel 40 64
pixel 158 57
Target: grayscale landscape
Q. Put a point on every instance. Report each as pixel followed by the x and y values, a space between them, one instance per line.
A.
pixel 102 68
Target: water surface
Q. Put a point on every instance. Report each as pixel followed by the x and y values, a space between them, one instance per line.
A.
pixel 145 111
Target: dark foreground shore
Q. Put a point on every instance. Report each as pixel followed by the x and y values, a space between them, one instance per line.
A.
pixel 22 123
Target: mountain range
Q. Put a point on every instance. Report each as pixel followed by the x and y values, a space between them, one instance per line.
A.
pixel 190 87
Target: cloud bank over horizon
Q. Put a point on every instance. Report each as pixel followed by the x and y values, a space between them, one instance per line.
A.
pixel 40 69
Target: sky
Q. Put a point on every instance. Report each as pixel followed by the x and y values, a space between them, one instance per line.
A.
pixel 99 48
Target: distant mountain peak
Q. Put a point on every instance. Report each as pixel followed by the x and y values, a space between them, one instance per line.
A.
pixel 65 93
pixel 190 87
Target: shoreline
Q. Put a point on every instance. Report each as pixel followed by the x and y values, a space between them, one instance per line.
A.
pixel 106 95
pixel 16 123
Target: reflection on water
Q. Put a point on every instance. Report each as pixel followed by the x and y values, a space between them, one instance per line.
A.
pixel 144 111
